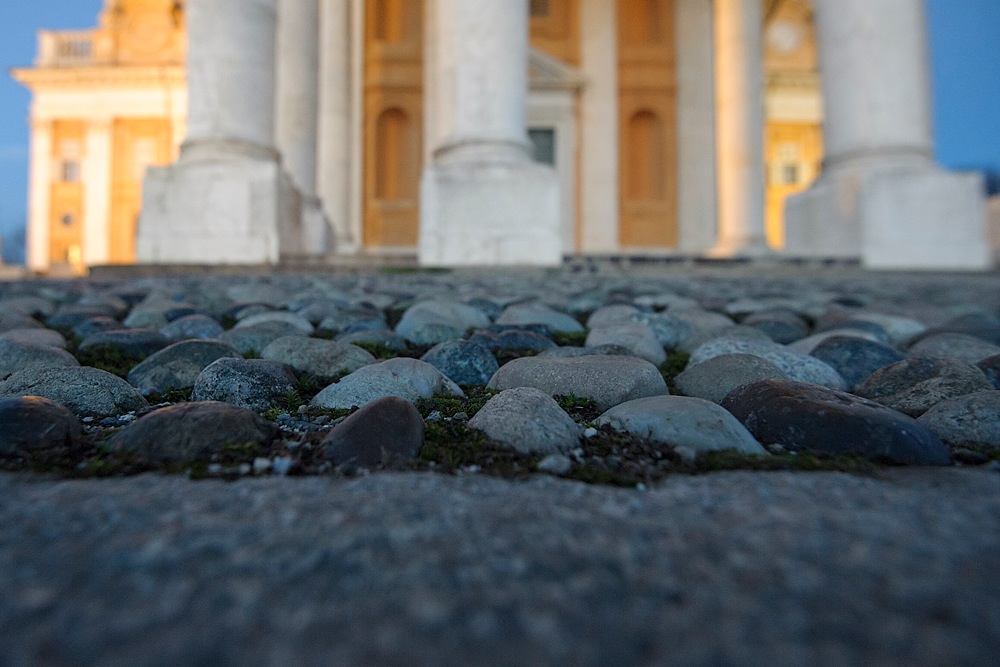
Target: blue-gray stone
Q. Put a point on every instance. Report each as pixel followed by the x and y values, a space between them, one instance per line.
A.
pixel 192 327
pixel 855 358
pixel 178 366
pixel 914 386
pixel 254 384
pixel 465 362
pixel 138 342
pixel 513 339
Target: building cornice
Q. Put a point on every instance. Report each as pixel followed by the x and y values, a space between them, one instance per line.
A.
pixel 87 77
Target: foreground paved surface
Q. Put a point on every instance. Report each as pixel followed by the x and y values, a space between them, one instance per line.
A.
pixel 730 568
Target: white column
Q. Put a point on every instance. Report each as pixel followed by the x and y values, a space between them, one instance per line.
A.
pixel 739 71
pixel 226 200
pixel 880 195
pixel 599 126
pixel 334 143
pixel 697 196
pixel 39 196
pixel 483 201
pixel 297 112
pixel 231 77
pixel 97 192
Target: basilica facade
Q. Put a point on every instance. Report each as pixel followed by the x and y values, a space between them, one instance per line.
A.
pixel 492 132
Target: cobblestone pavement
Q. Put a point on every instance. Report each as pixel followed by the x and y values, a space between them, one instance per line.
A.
pixel 887 566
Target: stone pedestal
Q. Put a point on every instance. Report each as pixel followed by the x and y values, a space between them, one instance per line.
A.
pixel 880 196
pixel 227 199
pixel 483 201
pixel 218 212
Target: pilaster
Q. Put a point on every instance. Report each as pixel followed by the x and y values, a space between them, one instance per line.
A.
pixel 598 127
pixel 40 196
pixel 739 74
pixel 334 117
pixel 97 191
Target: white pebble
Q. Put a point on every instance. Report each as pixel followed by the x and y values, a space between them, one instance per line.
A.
pixel 590 432
pixel 555 464
pixel 687 454
pixel 282 465
pixel 261 465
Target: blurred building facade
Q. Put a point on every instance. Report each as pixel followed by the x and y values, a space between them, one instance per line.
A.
pixel 475 131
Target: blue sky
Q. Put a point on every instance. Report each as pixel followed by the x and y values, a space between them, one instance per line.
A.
pixel 965 57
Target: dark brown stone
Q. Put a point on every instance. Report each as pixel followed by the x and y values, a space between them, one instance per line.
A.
pixel 799 415
pixel 384 429
pixel 33 423
pixel 189 431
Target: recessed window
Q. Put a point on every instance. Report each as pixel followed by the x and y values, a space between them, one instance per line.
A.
pixel 70 172
pixel 541 8
pixel 543 142
pixel 790 174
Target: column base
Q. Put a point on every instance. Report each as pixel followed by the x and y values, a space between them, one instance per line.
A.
pixel 823 220
pixel 317 232
pixel 489 214
pixel 903 217
pixel 226 211
pixel 928 219
pixel 755 249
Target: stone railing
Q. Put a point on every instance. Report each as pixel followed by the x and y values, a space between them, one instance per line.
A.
pixel 66 48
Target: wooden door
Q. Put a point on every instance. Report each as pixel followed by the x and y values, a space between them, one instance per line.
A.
pixel 647 124
pixel 393 126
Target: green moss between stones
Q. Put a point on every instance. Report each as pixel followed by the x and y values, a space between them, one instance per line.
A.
pixel 808 461
pixel 233 453
pixel 582 410
pixel 570 338
pixel 108 358
pixel 332 413
pixel 170 396
pixel 591 474
pixel 475 398
pixel 379 350
pixel 503 356
pixel 672 367
pixel 451 445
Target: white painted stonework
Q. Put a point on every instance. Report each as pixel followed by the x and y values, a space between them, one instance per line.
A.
pixel 217 212
pixel 880 195
pixel 483 201
pixel 227 200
